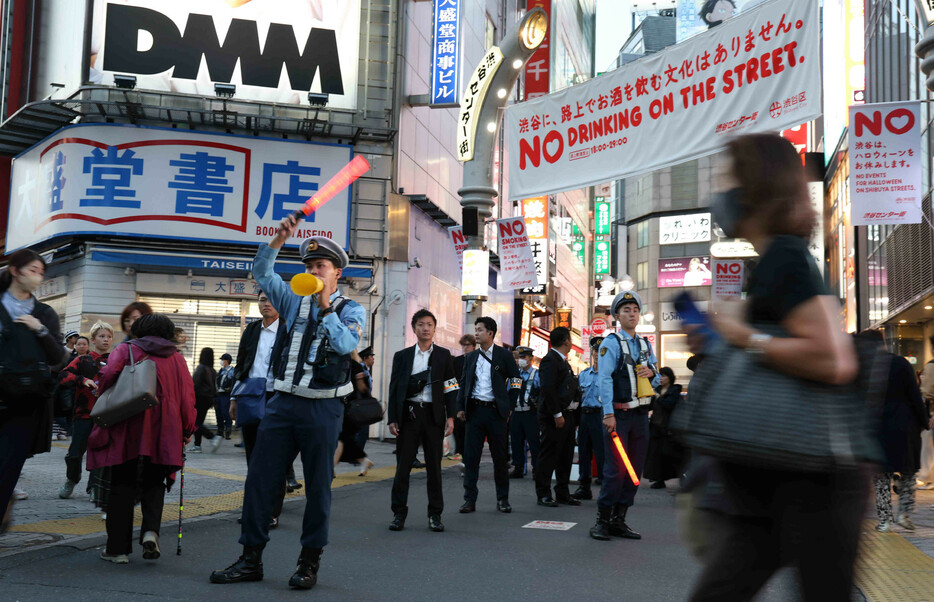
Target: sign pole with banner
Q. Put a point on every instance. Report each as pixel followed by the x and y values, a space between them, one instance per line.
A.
pixel 517 267
pixel 885 163
pixel 759 71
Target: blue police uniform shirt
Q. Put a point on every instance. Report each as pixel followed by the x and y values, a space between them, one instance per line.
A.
pixel 343 331
pixel 608 362
pixel 535 384
pixel 588 382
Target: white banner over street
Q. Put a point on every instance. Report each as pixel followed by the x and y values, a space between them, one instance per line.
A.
pixel 517 266
pixel 760 71
pixel 885 163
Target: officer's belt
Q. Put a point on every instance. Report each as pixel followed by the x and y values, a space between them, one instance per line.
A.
pixel 642 401
pixel 341 391
pixel 524 409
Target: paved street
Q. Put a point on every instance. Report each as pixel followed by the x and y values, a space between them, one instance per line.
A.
pixel 486 554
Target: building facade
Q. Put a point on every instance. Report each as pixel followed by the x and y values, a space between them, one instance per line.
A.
pixel 149 148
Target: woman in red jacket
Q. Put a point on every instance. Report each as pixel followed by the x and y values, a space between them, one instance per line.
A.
pixel 146 450
pixel 81 374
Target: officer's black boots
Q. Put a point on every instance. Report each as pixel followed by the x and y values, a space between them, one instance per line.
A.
pixel 618 526
pixel 601 529
pixel 249 567
pixel 306 573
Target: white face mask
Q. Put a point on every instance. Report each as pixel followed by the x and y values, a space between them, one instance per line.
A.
pixel 523 364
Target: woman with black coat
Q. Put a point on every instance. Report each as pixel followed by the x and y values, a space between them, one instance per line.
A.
pixel 205 390
pixel 901 421
pixel 665 455
pixel 29 332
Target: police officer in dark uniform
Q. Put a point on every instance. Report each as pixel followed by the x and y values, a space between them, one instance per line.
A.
pixel 523 424
pixel 590 431
pixel 311 374
pixel 624 358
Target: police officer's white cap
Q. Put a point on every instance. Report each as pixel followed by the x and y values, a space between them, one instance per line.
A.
pixel 525 350
pixel 626 297
pixel 321 247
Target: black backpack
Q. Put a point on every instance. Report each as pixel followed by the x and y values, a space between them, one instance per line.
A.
pixel 24 369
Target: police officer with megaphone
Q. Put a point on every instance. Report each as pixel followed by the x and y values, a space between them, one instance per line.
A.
pixel 310 368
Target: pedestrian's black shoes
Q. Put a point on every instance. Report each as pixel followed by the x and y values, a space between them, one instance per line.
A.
pixel 249 567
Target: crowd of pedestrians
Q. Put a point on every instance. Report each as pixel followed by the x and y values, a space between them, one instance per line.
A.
pixel 298 365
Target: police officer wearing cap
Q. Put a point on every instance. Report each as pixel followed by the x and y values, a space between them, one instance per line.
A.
pixel 590 431
pixel 624 358
pixel 523 423
pixel 310 369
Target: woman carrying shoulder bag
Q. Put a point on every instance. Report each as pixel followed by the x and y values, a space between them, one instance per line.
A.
pixel 774 517
pixel 145 450
pixel 30 342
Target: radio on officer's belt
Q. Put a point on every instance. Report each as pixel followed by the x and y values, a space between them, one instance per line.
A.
pixel 643 385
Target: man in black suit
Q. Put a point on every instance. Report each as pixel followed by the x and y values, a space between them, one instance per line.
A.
pixel 490 386
pixel 468 343
pixel 422 393
pixel 559 398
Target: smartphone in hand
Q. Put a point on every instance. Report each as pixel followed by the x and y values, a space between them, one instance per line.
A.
pixel 692 316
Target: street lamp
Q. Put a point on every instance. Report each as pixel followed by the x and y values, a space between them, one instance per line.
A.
pixel 925 48
pixel 478 121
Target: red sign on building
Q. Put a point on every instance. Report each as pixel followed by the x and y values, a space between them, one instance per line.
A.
pixel 538 69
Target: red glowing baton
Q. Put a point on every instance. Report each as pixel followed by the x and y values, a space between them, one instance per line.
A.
pixel 341 180
pixel 622 454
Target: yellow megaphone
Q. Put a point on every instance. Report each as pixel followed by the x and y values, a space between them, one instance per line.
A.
pixel 306 284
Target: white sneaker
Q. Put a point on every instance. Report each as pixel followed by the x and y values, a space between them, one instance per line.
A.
pixel 19 494
pixel 367 464
pixel 905 523
pixel 215 443
pixel 884 527
pixel 150 545
pixel 195 449
pixel 116 559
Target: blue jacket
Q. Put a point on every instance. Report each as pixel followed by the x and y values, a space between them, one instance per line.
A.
pixel 610 354
pixel 343 332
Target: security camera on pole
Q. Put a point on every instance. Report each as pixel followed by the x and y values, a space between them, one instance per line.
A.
pixel 478 121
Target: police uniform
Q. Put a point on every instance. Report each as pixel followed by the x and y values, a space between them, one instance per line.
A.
pixel 523 423
pixel 617 383
pixel 310 372
pixel 590 431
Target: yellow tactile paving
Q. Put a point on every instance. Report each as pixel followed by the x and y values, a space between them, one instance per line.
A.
pixel 889 567
pixel 203 506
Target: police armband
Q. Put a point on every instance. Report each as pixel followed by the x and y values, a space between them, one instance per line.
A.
pixel 515 383
pixel 451 385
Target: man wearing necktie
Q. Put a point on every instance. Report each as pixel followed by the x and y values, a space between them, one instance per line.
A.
pixel 491 385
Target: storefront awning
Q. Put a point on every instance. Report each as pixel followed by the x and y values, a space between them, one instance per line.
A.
pixel 208 262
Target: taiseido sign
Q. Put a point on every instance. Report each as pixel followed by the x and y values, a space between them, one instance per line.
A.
pixel 275 51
